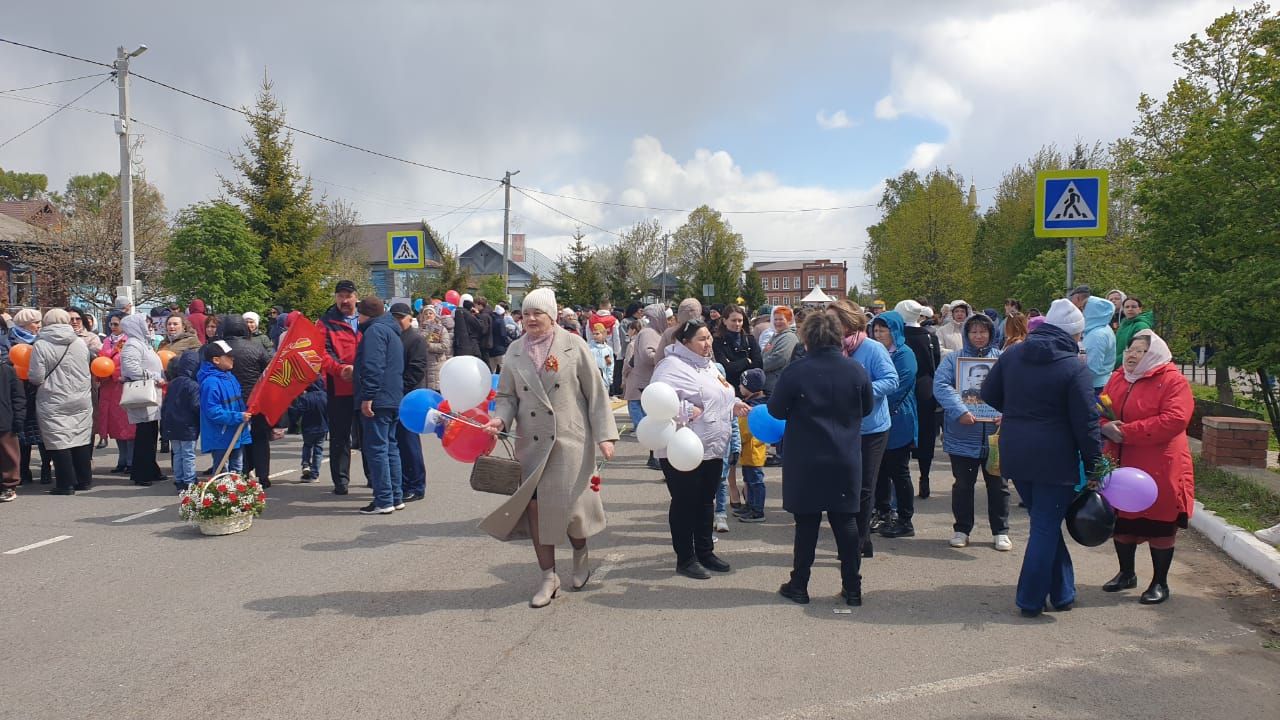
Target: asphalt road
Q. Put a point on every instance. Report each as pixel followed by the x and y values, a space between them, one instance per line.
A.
pixel 319 612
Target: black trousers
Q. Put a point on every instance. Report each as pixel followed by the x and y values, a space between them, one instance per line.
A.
pixel 693 499
pixel 895 472
pixel 965 470
pixel 927 422
pixel 257 456
pixel 845 528
pixel 872 453
pixel 24 464
pixel 145 468
pixel 341 410
pixel 74 467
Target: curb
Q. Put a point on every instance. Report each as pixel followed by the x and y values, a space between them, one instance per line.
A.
pixel 1239 544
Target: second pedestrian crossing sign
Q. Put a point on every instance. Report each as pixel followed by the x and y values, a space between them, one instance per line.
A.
pixel 405 250
pixel 1071 203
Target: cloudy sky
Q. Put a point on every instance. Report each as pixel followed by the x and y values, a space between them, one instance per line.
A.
pixel 743 105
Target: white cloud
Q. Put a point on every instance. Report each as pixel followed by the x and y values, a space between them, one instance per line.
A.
pixel 835 121
pixel 924 156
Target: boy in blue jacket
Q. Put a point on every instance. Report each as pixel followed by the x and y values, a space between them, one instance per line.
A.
pixel 222 407
pixel 180 417
pixel 313 407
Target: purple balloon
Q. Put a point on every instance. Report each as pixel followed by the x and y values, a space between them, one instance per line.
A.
pixel 1130 489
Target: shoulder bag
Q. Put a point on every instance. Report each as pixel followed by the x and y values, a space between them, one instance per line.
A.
pixel 140 394
pixel 497 475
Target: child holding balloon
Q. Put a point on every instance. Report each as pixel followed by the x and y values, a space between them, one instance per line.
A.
pixel 753 450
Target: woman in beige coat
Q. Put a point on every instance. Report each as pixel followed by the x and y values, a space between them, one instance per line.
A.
pixel 550 383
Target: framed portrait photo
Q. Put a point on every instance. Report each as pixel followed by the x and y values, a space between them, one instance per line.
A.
pixel 971 373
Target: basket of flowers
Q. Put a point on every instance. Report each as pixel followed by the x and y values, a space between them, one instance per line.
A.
pixel 223 504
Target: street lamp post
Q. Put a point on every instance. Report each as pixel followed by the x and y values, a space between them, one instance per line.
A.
pixel 128 288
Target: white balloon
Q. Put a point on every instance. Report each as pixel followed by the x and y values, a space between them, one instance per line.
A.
pixel 465 382
pixel 659 400
pixel 655 433
pixel 684 452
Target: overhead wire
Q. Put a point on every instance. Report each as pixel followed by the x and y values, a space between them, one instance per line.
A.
pixel 52 82
pixel 55 52
pixel 60 108
pixel 565 214
pixel 483 199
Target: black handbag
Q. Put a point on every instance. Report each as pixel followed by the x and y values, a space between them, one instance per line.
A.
pixel 497 475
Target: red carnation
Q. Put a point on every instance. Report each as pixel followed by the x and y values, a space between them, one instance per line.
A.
pixel 233 497
pixel 262 496
pixel 206 502
pixel 186 501
pixel 241 487
pixel 222 487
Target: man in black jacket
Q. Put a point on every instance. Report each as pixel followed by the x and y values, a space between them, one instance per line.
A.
pixel 413 470
pixel 466 330
pixel 251 362
pixel 928 354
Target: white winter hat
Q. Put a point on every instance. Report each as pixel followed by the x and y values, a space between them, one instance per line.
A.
pixel 251 315
pixel 1065 315
pixel 910 310
pixel 466 298
pixel 542 299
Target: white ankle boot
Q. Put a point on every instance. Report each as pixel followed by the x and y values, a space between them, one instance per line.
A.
pixel 581 568
pixel 547 591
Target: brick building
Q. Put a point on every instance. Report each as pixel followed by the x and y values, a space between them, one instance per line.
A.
pixel 24 225
pixel 787 282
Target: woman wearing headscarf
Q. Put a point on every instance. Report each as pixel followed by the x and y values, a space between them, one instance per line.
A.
pixel 895 468
pixel 196 313
pixel 551 397
pixel 113 421
pixel 873 358
pixel 1049 426
pixel 139 362
pixel 824 397
pixel 1134 320
pixel 1153 406
pixel 26 324
pixel 60 369
pixel 439 343
pixel 707 407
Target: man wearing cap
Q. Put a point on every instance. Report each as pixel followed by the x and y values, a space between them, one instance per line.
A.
pixel 877 307
pixel 413 471
pixel 1079 297
pixel 340 327
pixel 379 387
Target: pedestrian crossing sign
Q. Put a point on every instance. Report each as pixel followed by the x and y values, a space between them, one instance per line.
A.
pixel 405 250
pixel 1071 203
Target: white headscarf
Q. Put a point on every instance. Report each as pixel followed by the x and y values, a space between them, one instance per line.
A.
pixel 1157 355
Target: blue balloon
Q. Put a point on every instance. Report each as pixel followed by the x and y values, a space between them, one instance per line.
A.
pixel 415 408
pixel 765 427
pixel 417 305
pixel 493 404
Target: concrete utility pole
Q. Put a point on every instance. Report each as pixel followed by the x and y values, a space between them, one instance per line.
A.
pixel 121 65
pixel 506 235
pixel 1071 264
pixel 663 277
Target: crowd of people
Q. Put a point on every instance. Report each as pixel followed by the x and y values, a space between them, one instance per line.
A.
pixel 863 392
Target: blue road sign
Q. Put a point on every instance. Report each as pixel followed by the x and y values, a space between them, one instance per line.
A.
pixel 1071 203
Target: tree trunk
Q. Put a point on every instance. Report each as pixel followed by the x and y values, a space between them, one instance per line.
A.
pixel 1267 390
pixel 1222 380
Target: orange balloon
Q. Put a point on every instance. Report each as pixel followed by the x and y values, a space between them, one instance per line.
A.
pixel 102 367
pixel 165 357
pixel 21 371
pixel 20 355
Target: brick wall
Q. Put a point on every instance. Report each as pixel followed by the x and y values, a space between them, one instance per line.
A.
pixel 1235 441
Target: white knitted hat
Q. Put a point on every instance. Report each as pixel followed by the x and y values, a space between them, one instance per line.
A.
pixel 1065 315
pixel 542 300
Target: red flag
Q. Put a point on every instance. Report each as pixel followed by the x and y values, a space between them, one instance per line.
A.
pixel 295 366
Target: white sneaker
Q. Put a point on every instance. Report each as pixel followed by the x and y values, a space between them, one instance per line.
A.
pixel 1003 543
pixel 722 524
pixel 399 506
pixel 959 540
pixel 1270 536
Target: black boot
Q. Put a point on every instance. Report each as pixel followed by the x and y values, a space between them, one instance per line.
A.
pixel 867 550
pixel 798 595
pixel 1125 579
pixel 923 492
pixel 898 528
pixel 1158 592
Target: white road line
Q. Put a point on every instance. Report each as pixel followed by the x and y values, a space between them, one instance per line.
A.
pixel 275 475
pixel 40 544
pixel 135 516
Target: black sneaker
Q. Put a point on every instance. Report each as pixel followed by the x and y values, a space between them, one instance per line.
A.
pixel 307 476
pixel 693 569
pixel 796 595
pixel 880 519
pixel 772 461
pixel 740 511
pixel 413 497
pixel 923 491
pixel 339 489
pixel 714 564
pixel 897 529
pixel 752 516
pixel 373 509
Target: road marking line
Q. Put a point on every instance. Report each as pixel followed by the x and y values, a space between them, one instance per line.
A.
pixel 40 544
pixel 275 475
pixel 135 516
pixel 949 685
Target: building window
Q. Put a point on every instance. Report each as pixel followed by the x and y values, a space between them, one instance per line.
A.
pixel 22 288
pixel 810 282
pixel 835 281
pixel 775 282
pixel 786 283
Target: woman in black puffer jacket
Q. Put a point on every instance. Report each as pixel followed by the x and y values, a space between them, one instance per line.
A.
pixel 734 347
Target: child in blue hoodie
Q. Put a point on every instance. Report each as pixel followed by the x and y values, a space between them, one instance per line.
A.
pixel 180 417
pixel 313 407
pixel 222 407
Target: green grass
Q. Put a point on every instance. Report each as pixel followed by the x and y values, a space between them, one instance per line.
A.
pixel 1238 500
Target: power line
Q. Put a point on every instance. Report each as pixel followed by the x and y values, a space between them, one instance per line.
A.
pixel 52 82
pixel 55 112
pixel 561 212
pixel 55 52
pixel 483 199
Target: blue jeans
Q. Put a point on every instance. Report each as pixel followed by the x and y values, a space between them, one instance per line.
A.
pixel 125 449
pixel 313 451
pixel 184 461
pixel 235 463
pixel 412 468
pixel 383 457
pixel 753 479
pixel 722 494
pixel 1046 566
pixel 636 411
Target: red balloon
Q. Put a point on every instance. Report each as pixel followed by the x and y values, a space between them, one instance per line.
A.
pixel 452 297
pixel 20 355
pixel 464 442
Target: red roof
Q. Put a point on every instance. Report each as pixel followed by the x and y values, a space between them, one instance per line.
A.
pixel 40 213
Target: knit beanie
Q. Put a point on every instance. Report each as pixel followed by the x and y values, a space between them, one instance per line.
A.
pixel 26 316
pixel 542 299
pixel 1065 315
pixel 690 308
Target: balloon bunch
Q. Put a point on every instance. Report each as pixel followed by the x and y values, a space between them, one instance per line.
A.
pixel 465 382
pixel 20 356
pixel 658 429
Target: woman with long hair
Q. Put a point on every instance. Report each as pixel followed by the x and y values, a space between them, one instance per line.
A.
pixel 1015 330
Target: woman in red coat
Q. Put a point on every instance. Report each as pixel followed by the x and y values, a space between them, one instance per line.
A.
pixel 1153 404
pixel 113 421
